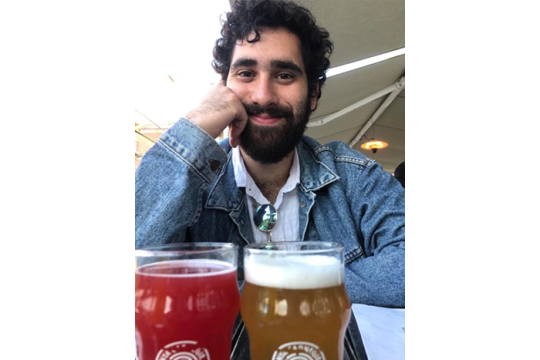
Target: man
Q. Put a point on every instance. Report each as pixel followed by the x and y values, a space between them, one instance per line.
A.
pixel 399 173
pixel 272 58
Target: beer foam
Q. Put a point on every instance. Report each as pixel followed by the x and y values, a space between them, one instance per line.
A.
pixel 294 272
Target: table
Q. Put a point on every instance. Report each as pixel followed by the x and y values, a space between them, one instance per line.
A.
pixel 383 331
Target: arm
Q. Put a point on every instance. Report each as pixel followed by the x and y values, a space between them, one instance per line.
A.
pixel 379 278
pixel 174 173
pixel 169 183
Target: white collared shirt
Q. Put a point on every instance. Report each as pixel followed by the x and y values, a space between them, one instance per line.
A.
pixel 287 205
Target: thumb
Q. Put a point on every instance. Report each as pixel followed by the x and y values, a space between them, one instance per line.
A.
pixel 235 129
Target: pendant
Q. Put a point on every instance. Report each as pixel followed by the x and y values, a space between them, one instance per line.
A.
pixel 265 217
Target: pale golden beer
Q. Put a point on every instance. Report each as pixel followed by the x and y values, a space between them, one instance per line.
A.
pixel 294 302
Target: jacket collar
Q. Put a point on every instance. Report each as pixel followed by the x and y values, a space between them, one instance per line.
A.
pixel 314 174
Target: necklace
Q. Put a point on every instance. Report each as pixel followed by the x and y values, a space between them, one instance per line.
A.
pixel 265 218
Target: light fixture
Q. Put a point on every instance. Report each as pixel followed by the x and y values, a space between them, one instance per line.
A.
pixel 363 63
pixel 374 145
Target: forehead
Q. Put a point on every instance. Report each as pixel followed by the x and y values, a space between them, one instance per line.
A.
pixel 274 44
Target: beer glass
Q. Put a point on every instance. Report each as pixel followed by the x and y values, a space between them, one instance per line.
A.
pixel 186 301
pixel 294 303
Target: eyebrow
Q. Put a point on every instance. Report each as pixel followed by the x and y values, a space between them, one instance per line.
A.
pixel 287 65
pixel 279 64
pixel 243 62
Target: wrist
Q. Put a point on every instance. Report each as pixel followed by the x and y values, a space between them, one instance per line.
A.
pixel 206 126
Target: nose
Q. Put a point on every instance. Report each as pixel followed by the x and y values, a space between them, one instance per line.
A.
pixel 263 92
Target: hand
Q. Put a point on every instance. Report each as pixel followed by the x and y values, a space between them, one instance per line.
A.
pixel 220 108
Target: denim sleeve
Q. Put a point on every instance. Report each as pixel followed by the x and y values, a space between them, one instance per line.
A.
pixel 170 181
pixel 379 203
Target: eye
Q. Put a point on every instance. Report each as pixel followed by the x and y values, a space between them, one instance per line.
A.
pixel 285 76
pixel 245 74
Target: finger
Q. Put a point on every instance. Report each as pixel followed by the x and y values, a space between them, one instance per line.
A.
pixel 235 129
pixel 233 141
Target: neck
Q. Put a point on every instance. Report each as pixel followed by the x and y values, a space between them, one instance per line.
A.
pixel 269 178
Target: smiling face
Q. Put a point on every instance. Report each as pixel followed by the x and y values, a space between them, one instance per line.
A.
pixel 269 77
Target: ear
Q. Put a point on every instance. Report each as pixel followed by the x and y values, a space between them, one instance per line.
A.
pixel 313 98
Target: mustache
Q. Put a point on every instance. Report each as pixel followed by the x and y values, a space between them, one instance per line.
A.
pixel 271 110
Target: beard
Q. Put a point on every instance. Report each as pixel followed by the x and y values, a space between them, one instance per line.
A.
pixel 270 144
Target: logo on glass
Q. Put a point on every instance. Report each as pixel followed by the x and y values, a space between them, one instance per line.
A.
pixel 183 350
pixel 298 350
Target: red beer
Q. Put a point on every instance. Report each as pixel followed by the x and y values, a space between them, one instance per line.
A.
pixel 185 309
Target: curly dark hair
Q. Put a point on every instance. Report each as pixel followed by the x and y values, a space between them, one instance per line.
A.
pixel 252 15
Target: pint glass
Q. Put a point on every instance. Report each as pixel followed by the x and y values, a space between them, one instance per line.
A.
pixel 294 302
pixel 186 301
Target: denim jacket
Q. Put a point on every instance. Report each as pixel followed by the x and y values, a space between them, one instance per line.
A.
pixel 186 192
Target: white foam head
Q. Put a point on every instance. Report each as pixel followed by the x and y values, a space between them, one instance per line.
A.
pixel 294 272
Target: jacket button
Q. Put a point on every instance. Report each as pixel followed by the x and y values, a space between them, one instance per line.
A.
pixel 214 164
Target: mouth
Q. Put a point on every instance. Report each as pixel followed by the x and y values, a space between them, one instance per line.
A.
pixel 264 119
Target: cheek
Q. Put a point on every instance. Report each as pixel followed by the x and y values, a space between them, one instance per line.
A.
pixel 299 101
pixel 238 89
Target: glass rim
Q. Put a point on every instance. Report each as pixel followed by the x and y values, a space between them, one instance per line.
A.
pixel 185 248
pixel 325 247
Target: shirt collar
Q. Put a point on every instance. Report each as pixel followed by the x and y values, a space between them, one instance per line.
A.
pixel 244 179
pixel 224 193
pixel 239 168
